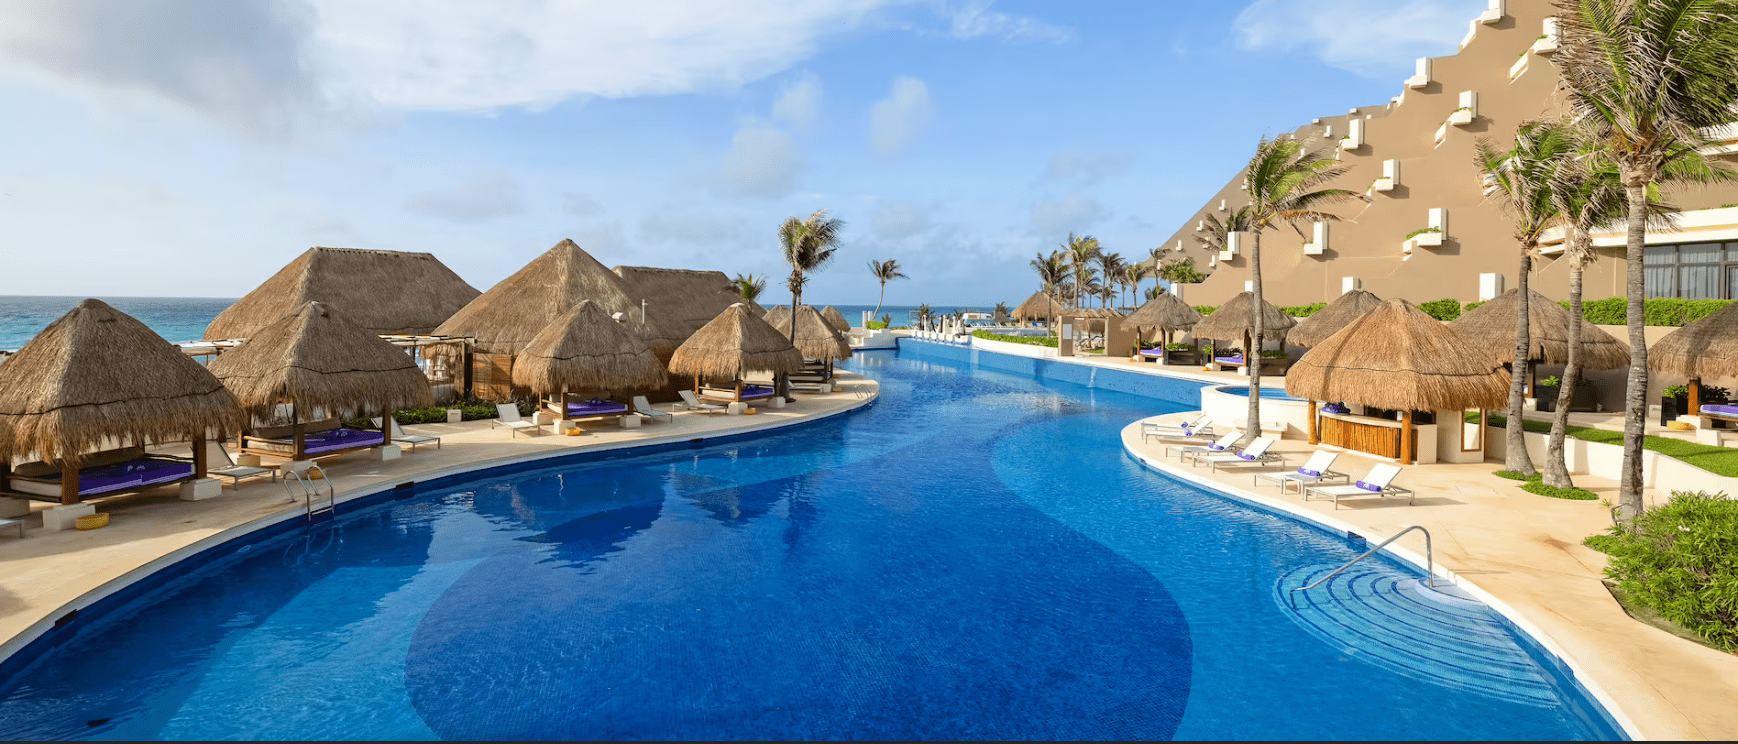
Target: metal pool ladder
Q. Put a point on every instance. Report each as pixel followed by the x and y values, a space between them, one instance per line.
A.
pixel 1429 563
pixel 311 491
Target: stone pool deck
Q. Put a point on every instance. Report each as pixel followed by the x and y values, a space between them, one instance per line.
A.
pixel 1521 553
pixel 49 574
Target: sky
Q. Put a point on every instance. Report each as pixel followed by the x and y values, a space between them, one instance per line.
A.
pixel 191 148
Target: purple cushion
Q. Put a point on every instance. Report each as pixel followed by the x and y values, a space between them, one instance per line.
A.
pixel 1229 359
pixel 756 391
pixel 1246 457
pixel 1216 446
pixel 129 475
pixel 1368 487
pixel 595 407
pixel 1726 410
pixel 337 439
pixel 1309 472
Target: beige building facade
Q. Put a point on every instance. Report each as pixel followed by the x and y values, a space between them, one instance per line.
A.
pixel 1412 160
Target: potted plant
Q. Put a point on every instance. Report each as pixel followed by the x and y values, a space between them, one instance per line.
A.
pixel 1674 402
pixel 1182 353
pixel 1582 400
pixel 1275 362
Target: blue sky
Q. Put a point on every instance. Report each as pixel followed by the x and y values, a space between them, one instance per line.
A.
pixel 192 147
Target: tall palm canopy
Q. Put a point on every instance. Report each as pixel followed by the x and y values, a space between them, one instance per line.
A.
pixel 1110 266
pixel 808 247
pixel 1081 252
pixel 1215 234
pixel 749 286
pixel 884 271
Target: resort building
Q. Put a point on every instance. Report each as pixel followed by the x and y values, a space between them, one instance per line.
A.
pixel 1424 229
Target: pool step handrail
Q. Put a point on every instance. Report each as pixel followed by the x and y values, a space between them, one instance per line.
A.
pixel 311 491
pixel 1429 563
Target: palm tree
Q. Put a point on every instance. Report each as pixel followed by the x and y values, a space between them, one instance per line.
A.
pixel 808 246
pixel 1644 76
pixel 1132 275
pixel 1000 315
pixel 1283 178
pixel 749 286
pixel 1519 179
pixel 885 271
pixel 923 315
pixel 1080 252
pixel 1110 267
pixel 1180 271
pixel 1052 273
pixel 1215 235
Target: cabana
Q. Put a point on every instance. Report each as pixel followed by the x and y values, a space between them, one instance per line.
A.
pixel 1232 322
pixel 1490 328
pixel 1396 358
pixel 685 299
pixel 1039 306
pixel 1329 320
pixel 87 394
pixel 820 342
pixel 779 314
pixel 1165 315
pixel 729 347
pixel 586 351
pixel 384 292
pixel 1704 350
pixel 836 319
pixel 297 377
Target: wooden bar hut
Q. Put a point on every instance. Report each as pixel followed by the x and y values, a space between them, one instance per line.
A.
pixel 1490 328
pixel 1329 320
pixel 585 351
pixel 299 377
pixel 1233 321
pixel 385 292
pixel 1394 358
pixel 1704 350
pixel 732 345
pixel 1163 315
pixel 88 393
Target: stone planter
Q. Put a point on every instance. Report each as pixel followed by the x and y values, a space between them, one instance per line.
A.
pixel 1581 402
pixel 1672 408
pixel 1191 357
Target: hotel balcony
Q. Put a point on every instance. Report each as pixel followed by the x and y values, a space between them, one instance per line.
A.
pixel 1421 76
pixel 1233 245
pixel 1520 67
pixel 1494 13
pixel 1720 224
pixel 1432 236
pixel 1390 176
pixel 1724 140
pixel 1469 109
pixel 1547 41
pixel 1354 138
pixel 1318 243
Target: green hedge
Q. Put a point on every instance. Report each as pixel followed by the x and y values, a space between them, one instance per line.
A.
pixel 1659 311
pixel 1303 311
pixel 1681 560
pixel 470 410
pixel 1206 310
pixel 1049 341
pixel 1443 310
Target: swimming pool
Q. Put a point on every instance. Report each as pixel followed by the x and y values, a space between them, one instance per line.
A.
pixel 971 557
pixel 1242 391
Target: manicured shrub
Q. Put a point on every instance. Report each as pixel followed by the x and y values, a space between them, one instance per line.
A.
pixel 1609 311
pixel 1681 559
pixel 1443 310
pixel 1303 311
pixel 1571 493
pixel 1514 476
pixel 1049 341
pixel 1206 310
pixel 1469 307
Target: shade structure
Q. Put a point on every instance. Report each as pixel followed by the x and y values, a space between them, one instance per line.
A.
pixel 1166 313
pixel 734 343
pixel 837 319
pixel 386 292
pixel 505 318
pixel 1490 328
pixel 318 360
pixel 98 376
pixel 1704 350
pixel 779 314
pixel 1329 320
pixel 1396 357
pixel 1231 321
pixel 585 350
pixel 685 299
pixel 1039 306
pixel 815 337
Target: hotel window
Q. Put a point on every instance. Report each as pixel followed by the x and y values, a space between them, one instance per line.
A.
pixel 1693 271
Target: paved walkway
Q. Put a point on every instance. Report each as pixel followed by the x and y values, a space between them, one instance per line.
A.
pixel 50 573
pixel 1523 553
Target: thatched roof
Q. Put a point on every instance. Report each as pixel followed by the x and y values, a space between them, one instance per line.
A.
pixel 685 299
pixel 1037 307
pixel 585 350
pixel 1704 350
pixel 735 342
pixel 97 375
pixel 1231 320
pixel 1329 320
pixel 837 319
pixel 816 338
pixel 1167 312
pixel 504 319
pixel 1396 357
pixel 778 314
pixel 1490 328
pixel 383 291
pixel 317 359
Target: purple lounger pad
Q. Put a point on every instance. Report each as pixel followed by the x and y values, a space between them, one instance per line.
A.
pixel 756 391
pixel 1153 352
pixel 1229 360
pixel 595 408
pixel 1722 410
pixel 337 439
pixel 130 474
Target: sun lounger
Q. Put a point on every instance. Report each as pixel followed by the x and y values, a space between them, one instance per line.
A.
pixel 1200 427
pixel 1314 471
pixel 318 438
pixel 507 415
pixel 19 523
pixel 694 403
pixel 1189 451
pixel 1379 482
pixel 110 475
pixel 413 440
pixel 1199 421
pixel 233 471
pixel 644 408
pixel 1255 454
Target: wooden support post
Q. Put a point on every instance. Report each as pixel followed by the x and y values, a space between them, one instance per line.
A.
pixel 5 473
pixel 1406 438
pixel 1695 398
pixel 199 457
pixel 300 442
pixel 1315 436
pixel 68 484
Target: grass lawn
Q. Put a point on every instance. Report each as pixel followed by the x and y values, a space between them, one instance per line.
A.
pixel 1716 460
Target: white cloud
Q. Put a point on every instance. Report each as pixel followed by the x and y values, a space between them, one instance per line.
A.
pixel 896 120
pixel 1086 167
pixel 486 197
pixel 762 162
pixel 975 19
pixel 1382 42
pixel 1055 218
pixel 799 101
pixel 894 219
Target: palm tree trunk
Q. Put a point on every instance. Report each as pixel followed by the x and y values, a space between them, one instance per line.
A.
pixel 1556 466
pixel 1515 437
pixel 1629 484
pixel 878 302
pixel 1252 355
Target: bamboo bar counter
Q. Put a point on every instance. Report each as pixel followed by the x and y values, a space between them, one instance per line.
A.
pixel 1378 436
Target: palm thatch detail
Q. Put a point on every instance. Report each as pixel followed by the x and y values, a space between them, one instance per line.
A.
pixel 1329 320
pixel 386 292
pixel 1398 358
pixel 1704 350
pixel 1232 320
pixel 316 360
pixel 684 299
pixel 585 350
pixel 735 343
pixel 815 337
pixel 1165 313
pixel 505 318
pixel 1490 329
pixel 98 376
pixel 1039 306
pixel 779 315
pixel 837 319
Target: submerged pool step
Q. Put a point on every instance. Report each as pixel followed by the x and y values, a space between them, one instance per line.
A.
pixel 1394 621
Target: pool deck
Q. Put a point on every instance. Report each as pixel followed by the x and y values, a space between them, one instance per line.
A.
pixel 49 574
pixel 1522 554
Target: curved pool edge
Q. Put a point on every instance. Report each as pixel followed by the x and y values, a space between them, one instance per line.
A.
pixel 1283 509
pixel 47 632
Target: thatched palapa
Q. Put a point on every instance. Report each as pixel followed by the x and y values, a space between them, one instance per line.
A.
pixel 318 360
pixel 505 318
pixel 815 337
pixel 1396 357
pixel 836 319
pixel 1039 306
pixel 778 315
pixel 734 343
pixel 585 350
pixel 1166 313
pixel 1231 322
pixel 1329 320
pixel 1490 329
pixel 685 299
pixel 385 292
pixel 99 376
pixel 1704 350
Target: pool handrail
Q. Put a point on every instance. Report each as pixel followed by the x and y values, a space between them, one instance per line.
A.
pixel 1429 563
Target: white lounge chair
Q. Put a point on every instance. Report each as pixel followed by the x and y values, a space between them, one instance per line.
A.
pixel 1314 471
pixel 645 409
pixel 398 435
pixel 1379 482
pixel 231 470
pixel 1202 426
pixel 1188 451
pixel 508 416
pixel 1255 454
pixel 694 403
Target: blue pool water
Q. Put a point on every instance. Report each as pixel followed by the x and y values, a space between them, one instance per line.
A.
pixel 1266 393
pixel 973 556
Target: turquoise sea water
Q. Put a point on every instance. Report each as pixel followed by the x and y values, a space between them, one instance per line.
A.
pixel 173 318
